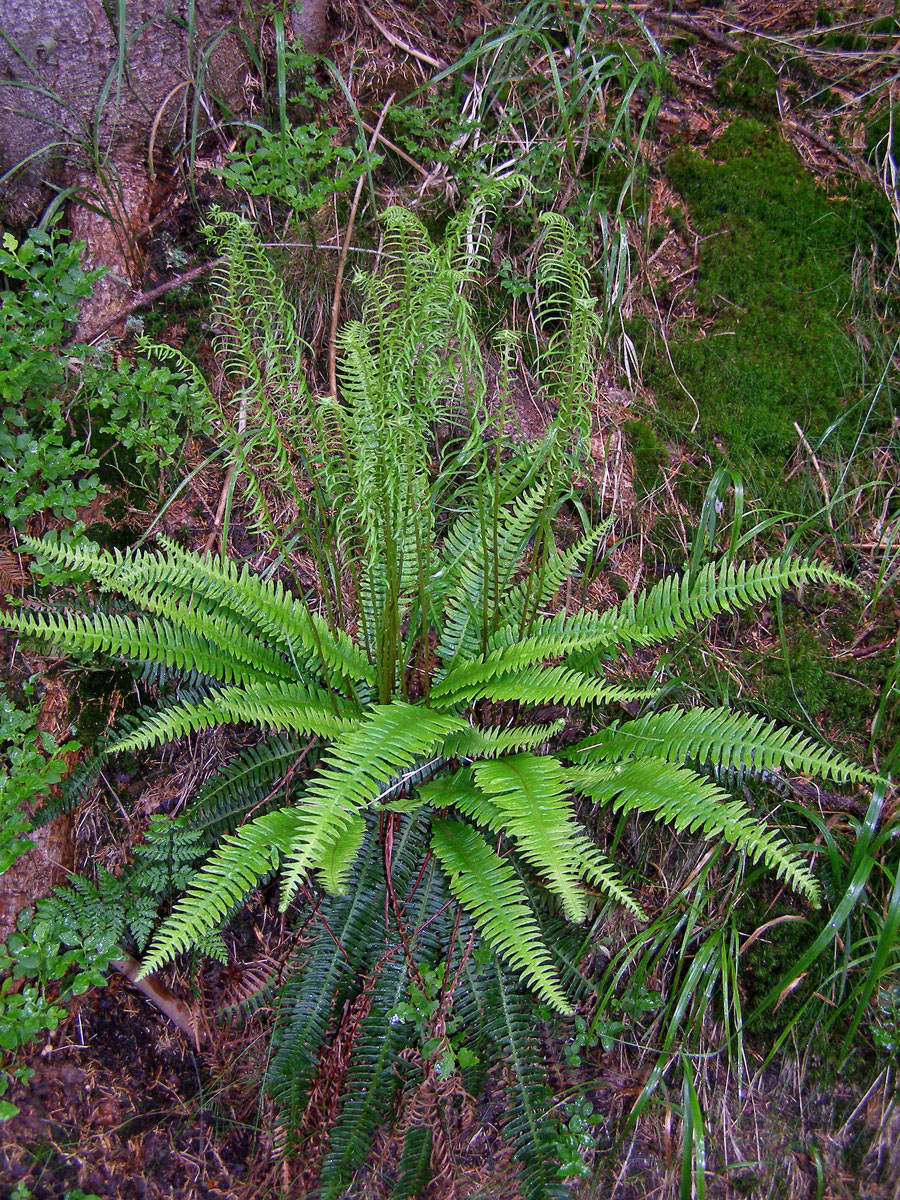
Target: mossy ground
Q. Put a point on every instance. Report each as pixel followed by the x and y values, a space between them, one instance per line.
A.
pixel 772 343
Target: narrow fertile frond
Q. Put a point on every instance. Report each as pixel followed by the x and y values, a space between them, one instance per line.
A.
pixel 532 795
pixel 270 704
pixel 236 867
pixel 488 889
pixel 722 740
pixel 389 738
pixel 686 801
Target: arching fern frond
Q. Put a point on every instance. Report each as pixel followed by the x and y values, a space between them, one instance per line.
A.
pixel 136 639
pixel 271 705
pixel 532 795
pixel 686 801
pixel 678 602
pixel 241 861
pixel 389 738
pixel 487 742
pixel 720 739
pixel 487 888
pixel 540 685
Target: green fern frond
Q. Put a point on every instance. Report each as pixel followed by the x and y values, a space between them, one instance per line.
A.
pixel 551 575
pixel 686 801
pixel 389 738
pixel 135 639
pixel 269 704
pixel 479 563
pixel 541 685
pixel 676 603
pixel 216 587
pixel 478 742
pixel 722 740
pixel 323 975
pixel 241 861
pixel 337 862
pixel 488 889
pixel 532 795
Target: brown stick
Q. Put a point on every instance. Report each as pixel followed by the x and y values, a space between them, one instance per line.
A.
pixel 145 298
pixel 336 302
pixel 157 993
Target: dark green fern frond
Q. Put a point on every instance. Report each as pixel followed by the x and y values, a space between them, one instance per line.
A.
pixel 328 967
pixel 372 1081
pixel 488 889
pixel 227 796
pixel 721 740
pixel 528 1127
pixel 686 801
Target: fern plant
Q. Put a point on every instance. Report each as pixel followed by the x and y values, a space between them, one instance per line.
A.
pixel 433 631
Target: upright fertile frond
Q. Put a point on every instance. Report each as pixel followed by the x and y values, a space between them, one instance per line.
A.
pixel 390 737
pixel 480 560
pixel 488 889
pixel 722 740
pixel 678 796
pixel 238 865
pixel 532 795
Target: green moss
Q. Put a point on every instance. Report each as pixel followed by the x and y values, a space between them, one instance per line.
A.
pixel 747 83
pixel 649 454
pixel 773 292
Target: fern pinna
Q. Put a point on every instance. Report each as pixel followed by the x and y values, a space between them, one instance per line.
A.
pixel 434 629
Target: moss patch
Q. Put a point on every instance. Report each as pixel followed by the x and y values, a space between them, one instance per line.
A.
pixel 748 83
pixel 773 293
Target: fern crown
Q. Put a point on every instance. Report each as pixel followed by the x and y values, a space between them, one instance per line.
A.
pixel 433 628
